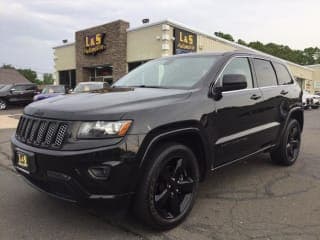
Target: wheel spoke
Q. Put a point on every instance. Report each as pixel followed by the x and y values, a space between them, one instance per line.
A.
pixel 294 132
pixel 174 205
pixel 294 143
pixel 179 168
pixel 165 174
pixel 162 198
pixel 186 186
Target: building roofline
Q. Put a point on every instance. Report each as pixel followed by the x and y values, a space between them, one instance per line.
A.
pixel 64 45
pixel 314 65
pixel 193 30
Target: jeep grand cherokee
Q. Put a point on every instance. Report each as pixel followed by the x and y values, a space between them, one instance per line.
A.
pixel 150 138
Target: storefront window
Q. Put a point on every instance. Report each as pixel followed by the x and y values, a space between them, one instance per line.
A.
pixel 101 74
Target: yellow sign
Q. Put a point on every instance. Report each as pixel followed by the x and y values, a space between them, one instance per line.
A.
pixel 185 41
pixel 94 44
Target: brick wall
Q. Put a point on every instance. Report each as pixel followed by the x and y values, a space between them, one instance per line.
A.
pixel 115 53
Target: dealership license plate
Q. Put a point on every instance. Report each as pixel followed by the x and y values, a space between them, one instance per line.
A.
pixel 22 160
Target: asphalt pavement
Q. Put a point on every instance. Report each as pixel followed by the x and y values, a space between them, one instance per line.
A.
pixel 253 199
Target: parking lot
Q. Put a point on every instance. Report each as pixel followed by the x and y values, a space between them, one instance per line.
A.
pixel 253 199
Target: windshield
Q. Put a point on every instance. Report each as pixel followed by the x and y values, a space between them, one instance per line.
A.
pixel 53 89
pixel 182 72
pixel 86 87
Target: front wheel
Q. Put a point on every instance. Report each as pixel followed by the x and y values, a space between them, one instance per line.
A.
pixel 3 104
pixel 168 190
pixel 288 151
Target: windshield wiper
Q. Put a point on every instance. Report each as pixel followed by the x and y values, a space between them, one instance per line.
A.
pixel 146 86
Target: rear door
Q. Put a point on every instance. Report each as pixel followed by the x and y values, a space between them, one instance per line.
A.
pixel 22 93
pixel 237 116
pixel 267 82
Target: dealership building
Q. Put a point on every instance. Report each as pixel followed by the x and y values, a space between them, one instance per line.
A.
pixel 107 52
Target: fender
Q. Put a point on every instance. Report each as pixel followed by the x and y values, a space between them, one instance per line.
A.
pixel 176 132
pixel 292 111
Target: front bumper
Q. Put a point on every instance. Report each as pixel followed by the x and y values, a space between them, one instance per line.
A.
pixel 65 174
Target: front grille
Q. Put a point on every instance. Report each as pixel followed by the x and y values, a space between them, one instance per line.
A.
pixel 42 132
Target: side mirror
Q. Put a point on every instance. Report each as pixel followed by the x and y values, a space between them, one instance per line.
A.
pixel 232 82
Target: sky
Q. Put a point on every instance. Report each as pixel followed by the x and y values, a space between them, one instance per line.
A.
pixel 30 28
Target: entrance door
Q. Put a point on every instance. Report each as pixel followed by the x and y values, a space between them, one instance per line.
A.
pixel 101 74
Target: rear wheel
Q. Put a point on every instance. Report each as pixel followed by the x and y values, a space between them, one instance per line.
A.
pixel 288 151
pixel 3 104
pixel 168 189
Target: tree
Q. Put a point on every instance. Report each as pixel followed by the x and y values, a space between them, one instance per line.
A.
pixel 7 66
pixel 224 35
pixel 30 75
pixel 240 41
pixel 47 78
pixel 307 56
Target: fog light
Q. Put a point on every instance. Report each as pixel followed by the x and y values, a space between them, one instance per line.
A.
pixel 101 173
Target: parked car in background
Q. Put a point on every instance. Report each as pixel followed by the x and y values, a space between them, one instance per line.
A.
pixel 310 100
pixel 89 86
pixel 50 91
pixel 17 94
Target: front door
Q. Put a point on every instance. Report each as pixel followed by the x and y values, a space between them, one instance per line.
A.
pixel 238 116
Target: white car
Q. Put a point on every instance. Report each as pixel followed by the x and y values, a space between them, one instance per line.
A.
pixel 89 86
pixel 310 100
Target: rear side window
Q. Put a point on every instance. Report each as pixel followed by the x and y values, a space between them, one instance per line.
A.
pixel 240 66
pixel 265 73
pixel 283 74
pixel 19 87
pixel 24 87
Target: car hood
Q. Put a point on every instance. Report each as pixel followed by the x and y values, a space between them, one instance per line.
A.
pixel 105 104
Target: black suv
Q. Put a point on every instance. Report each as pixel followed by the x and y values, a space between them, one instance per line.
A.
pixel 150 138
pixel 20 93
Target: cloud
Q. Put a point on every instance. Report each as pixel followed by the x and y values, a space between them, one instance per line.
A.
pixel 29 29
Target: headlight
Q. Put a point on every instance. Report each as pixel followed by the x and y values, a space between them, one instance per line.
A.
pixel 103 129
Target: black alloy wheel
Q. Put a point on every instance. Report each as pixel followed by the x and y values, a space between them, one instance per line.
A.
pixel 293 142
pixel 3 104
pixel 288 150
pixel 168 189
pixel 174 189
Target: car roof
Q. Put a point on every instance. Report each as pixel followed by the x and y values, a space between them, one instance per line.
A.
pixel 228 54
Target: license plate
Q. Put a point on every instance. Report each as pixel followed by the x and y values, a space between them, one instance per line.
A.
pixel 23 160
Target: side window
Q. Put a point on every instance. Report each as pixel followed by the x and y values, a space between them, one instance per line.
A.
pixel 240 66
pixel 283 74
pixel 265 73
pixel 30 87
pixel 19 87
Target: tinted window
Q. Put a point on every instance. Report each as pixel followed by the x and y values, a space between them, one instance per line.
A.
pixel 24 87
pixel 282 73
pixel 240 66
pixel 19 87
pixel 265 73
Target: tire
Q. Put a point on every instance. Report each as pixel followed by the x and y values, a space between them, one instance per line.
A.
pixel 288 151
pixel 168 189
pixel 3 104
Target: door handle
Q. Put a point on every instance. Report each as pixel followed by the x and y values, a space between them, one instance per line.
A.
pixel 284 92
pixel 255 97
